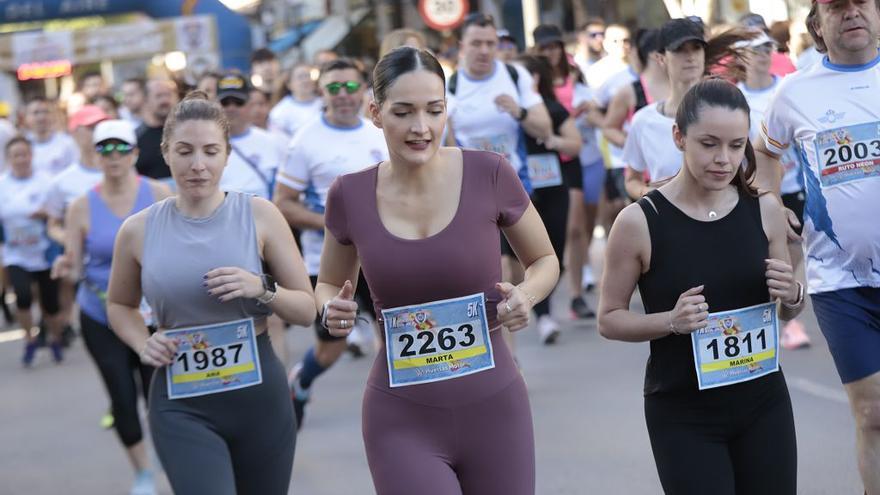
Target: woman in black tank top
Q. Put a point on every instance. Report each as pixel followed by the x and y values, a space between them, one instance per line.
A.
pixel 710 259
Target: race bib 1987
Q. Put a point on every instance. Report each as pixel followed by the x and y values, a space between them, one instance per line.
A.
pixel 737 346
pixel 213 358
pixel 437 341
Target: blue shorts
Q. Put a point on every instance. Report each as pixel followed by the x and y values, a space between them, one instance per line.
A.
pixel 594 179
pixel 850 321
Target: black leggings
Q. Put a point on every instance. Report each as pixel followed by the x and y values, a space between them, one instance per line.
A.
pixel 239 442
pixel 22 280
pixel 730 440
pixel 119 366
pixel 552 204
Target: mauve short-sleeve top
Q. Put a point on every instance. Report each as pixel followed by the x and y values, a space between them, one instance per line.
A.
pixel 464 258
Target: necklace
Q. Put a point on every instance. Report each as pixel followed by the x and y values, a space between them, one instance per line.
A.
pixel 712 215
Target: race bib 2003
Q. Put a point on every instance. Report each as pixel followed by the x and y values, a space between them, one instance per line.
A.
pixel 213 358
pixel 437 341
pixel 848 153
pixel 737 346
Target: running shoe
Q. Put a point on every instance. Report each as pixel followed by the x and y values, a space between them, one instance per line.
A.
pixel 580 309
pixel 298 395
pixel 548 329
pixel 144 484
pixel 107 420
pixel 30 349
pixel 361 336
pixel 794 336
pixel 57 352
pixel 588 280
pixel 68 335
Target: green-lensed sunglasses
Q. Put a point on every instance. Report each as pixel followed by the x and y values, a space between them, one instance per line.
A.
pixel 351 87
pixel 106 149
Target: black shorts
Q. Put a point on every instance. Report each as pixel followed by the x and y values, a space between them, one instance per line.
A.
pixel 365 304
pixel 573 174
pixel 615 184
pixel 795 202
pixel 22 281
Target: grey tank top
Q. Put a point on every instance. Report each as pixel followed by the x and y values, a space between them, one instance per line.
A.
pixel 179 251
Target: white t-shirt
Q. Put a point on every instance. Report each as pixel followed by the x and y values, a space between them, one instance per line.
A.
pixel 602 71
pixel 590 152
pixel 649 145
pixel 318 154
pixel 288 115
pixel 759 100
pixel 831 115
pixel 808 57
pixel 616 82
pixel 478 123
pixel 26 239
pixel 55 154
pixel 73 182
pixel 254 150
pixel 7 130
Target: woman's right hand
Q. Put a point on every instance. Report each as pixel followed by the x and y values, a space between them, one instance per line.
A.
pixel 158 350
pixel 690 312
pixel 340 312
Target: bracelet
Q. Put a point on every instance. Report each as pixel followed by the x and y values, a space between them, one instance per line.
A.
pixel 672 325
pixel 530 297
pixel 265 301
pixel 800 298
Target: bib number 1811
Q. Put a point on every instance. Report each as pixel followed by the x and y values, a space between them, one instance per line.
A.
pixel 733 345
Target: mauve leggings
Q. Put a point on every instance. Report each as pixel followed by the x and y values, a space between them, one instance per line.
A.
pixel 485 447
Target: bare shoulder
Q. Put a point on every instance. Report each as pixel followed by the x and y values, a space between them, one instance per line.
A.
pixel 263 208
pixel 631 220
pixel 160 191
pixel 78 208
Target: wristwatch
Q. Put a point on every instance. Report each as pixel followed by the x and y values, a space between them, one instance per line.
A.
pixel 523 113
pixel 270 289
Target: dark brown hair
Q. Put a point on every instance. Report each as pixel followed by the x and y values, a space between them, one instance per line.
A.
pixel 716 92
pixel 721 52
pixel 195 106
pixel 813 21
pixel 540 65
pixel 18 138
pixel 401 61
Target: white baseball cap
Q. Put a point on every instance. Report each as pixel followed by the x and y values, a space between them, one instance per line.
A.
pixel 114 129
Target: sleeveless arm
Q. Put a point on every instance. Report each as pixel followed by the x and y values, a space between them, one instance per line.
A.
pixel 618 109
pixel 124 291
pixel 774 223
pixel 627 256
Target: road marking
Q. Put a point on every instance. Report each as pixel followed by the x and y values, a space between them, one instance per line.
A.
pixel 819 390
pixel 11 335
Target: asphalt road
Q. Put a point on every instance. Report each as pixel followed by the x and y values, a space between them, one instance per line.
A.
pixel 585 394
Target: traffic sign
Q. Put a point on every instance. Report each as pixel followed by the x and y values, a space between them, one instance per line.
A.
pixel 443 14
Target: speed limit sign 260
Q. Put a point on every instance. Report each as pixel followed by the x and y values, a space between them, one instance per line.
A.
pixel 443 14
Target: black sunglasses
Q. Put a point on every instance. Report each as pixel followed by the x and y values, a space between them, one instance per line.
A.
pixel 108 148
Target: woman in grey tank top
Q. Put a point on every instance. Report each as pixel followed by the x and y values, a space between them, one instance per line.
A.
pixel 220 413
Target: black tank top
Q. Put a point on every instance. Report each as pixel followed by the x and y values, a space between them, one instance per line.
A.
pixel 726 256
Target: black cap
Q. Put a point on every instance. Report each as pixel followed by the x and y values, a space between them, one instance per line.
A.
pixel 233 85
pixel 504 34
pixel 677 32
pixel 546 34
pixel 752 20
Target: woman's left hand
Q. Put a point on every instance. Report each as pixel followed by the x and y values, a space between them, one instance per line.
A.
pixel 780 281
pixel 514 309
pixel 228 283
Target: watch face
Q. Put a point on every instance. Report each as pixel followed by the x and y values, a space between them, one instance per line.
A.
pixel 268 282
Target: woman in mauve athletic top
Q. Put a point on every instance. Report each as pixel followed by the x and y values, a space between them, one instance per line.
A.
pixel 445 410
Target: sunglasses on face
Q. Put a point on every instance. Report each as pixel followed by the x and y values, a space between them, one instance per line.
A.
pixel 351 87
pixel 107 149
pixel 596 34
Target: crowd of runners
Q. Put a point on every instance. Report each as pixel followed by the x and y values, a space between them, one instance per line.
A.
pixel 425 209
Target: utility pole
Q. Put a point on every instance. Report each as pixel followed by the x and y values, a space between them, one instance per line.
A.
pixel 531 19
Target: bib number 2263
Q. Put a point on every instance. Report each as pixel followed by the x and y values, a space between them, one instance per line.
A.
pixel 437 341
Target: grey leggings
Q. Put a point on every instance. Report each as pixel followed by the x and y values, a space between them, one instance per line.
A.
pixel 237 442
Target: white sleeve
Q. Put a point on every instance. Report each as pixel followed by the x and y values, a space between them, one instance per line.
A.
pixel 632 150
pixel 55 201
pixel 295 172
pixel 528 97
pixel 776 128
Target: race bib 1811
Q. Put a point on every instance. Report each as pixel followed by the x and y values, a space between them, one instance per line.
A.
pixel 544 170
pixel 437 341
pixel 737 346
pixel 213 358
pixel 848 153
